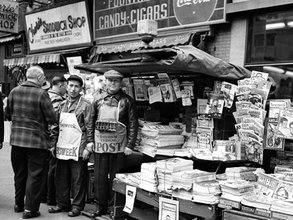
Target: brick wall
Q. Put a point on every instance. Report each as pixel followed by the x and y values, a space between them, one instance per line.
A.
pixel 219 45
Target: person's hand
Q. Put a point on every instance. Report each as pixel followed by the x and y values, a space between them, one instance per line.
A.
pixel 127 151
pixel 52 151
pixel 85 154
pixel 90 146
pixel 1 145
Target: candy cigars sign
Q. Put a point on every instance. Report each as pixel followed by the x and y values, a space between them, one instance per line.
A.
pixel 61 27
pixel 118 17
pixel 9 16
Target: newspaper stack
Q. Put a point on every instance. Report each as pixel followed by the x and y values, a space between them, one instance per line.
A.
pixel 148 177
pixel 241 173
pixel 129 178
pixel 233 192
pixel 160 139
pixel 206 189
pixel 165 169
pixel 185 179
pixel 251 95
pixel 196 185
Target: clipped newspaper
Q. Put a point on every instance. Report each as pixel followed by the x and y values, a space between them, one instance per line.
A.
pixel 168 209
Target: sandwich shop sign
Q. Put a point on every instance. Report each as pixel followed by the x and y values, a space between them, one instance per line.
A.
pixel 58 28
pixel 120 17
pixel 9 16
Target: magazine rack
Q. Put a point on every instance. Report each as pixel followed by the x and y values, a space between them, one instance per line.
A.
pixel 146 205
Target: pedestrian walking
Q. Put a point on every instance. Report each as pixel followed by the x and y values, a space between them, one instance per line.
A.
pixel 114 126
pixel 1 121
pixel 30 110
pixel 71 152
pixel 56 94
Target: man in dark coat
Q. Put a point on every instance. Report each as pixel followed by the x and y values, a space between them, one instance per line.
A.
pixel 1 122
pixel 30 110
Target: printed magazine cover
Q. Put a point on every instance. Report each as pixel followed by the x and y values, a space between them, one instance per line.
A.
pixel 204 137
pixel 285 124
pixel 155 94
pixel 139 90
pixel 251 150
pixel 228 91
pixel 186 97
pixel 259 75
pixel 168 209
pixel 215 106
pixel 176 86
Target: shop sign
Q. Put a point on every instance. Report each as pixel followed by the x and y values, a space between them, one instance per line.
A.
pixel 58 28
pixel 9 16
pixel 120 17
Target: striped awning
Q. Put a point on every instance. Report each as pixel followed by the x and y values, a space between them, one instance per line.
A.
pixel 10 38
pixel 32 59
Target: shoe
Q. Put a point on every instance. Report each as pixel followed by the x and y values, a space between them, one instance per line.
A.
pixel 111 215
pixel 74 213
pixel 99 213
pixel 18 208
pixel 57 209
pixel 31 214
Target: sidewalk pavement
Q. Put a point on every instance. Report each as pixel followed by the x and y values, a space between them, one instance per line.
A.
pixel 7 193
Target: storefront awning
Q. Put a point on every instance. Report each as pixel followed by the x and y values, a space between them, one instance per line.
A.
pixel 10 38
pixel 172 40
pixel 32 59
pixel 178 60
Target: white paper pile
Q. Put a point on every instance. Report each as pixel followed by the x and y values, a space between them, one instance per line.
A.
pixel 165 169
pixel 129 178
pixel 162 138
pixel 148 177
pixel 241 173
pixel 235 190
pixel 206 192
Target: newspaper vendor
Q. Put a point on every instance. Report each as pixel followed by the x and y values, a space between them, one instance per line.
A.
pixel 114 126
pixel 71 151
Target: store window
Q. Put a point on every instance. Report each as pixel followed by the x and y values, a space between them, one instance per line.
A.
pixel 270 49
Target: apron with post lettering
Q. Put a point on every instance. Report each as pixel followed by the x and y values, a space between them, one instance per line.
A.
pixel 110 134
pixel 69 138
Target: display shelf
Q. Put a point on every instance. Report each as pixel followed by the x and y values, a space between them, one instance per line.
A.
pixel 151 200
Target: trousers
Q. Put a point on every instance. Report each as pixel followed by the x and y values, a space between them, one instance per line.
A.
pixel 30 170
pixel 105 168
pixel 71 183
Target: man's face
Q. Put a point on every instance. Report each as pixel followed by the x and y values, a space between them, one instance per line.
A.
pixel 41 78
pixel 73 88
pixel 113 84
pixel 63 87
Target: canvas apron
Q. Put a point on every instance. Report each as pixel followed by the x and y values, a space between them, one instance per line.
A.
pixel 69 138
pixel 110 142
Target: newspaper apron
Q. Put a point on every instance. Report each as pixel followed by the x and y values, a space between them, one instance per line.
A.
pixel 69 138
pixel 113 141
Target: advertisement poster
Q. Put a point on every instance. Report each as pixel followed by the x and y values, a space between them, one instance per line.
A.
pixel 71 61
pixel 168 209
pixel 130 197
pixel 57 28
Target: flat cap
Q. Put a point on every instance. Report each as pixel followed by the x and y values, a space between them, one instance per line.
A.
pixel 113 74
pixel 76 78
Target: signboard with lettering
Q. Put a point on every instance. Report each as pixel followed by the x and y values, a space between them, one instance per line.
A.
pixel 119 17
pixel 9 16
pixel 58 28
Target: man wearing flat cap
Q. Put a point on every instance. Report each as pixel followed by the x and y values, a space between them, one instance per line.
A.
pixel 114 126
pixel 71 152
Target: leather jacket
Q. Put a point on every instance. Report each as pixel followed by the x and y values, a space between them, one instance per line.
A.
pixel 127 114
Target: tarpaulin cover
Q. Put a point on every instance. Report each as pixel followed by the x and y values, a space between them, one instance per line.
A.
pixel 177 60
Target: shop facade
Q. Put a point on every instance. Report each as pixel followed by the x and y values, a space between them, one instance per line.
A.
pixel 54 37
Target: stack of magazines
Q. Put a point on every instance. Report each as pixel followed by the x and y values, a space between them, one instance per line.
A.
pixel 233 192
pixel 241 173
pixel 165 169
pixel 206 189
pixel 129 178
pixel 251 95
pixel 160 139
pixel 148 177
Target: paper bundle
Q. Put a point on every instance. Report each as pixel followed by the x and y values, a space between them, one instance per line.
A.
pixel 148 177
